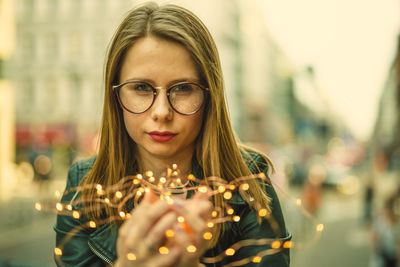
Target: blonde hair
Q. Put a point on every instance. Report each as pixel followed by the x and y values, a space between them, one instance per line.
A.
pixel 217 151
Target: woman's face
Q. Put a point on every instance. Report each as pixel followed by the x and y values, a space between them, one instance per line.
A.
pixel 160 131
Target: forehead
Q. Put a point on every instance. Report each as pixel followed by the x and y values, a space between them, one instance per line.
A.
pixel 158 60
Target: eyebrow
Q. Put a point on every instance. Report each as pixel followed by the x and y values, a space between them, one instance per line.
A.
pixel 150 81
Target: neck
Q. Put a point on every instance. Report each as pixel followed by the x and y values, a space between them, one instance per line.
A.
pixel 159 165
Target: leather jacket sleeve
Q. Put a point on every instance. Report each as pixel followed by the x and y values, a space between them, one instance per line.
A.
pixel 71 237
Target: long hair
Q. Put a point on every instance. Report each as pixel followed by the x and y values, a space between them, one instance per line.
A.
pixel 217 150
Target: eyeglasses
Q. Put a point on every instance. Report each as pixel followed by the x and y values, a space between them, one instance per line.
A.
pixel 137 97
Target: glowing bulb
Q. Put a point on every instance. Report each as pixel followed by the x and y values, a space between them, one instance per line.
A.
pixel 191 249
pixel 92 224
pixel 163 250
pixel 288 244
pixel 210 224
pixel 276 244
pixel 75 214
pixel 298 202
pixel 174 166
pixel 191 177
pixel 174 173
pixel 207 235
pixel 131 256
pixel 118 194
pixel 139 176
pixel 58 251
pixel 227 195
pixel 128 215
pixel 99 187
pixel 152 179
pixel 256 259
pixel 59 207
pixel 232 187
pixel 230 211
pixel 107 200
pixel 214 213
pixel 203 189
pixel 169 233
pixel 262 212
pixel 179 181
pixel 57 194
pixel 245 186
pixel 139 193
pixel 221 188
pixel 230 252
pixel 135 181
pixel 122 214
pixel 143 190
pixel 149 173
pixel 181 219
pixel 170 201
pixel 69 207
pixel 236 218
pixel 320 227
pixel 262 175
pixel 38 206
pixel 163 180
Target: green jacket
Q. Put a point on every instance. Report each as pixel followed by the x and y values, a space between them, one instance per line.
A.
pixel 97 247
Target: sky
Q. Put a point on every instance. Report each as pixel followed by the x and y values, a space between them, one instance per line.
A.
pixel 351 45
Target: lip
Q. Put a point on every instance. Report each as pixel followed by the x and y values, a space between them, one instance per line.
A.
pixel 161 136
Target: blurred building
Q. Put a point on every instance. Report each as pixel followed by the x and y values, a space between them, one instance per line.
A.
pixel 386 134
pixel 7 118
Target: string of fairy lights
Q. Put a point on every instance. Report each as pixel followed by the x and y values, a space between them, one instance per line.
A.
pixel 169 188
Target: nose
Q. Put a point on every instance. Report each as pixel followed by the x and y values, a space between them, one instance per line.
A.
pixel 161 110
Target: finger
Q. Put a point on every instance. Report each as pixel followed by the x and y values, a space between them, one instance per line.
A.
pixel 170 259
pixel 202 207
pixel 157 234
pixel 136 227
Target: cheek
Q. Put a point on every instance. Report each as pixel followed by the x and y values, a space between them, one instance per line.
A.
pixel 131 122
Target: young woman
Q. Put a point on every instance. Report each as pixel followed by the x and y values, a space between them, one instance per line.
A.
pixel 164 104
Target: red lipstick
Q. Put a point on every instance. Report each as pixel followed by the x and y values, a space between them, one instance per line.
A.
pixel 161 136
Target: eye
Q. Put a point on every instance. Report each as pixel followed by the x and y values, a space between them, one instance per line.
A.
pixel 141 88
pixel 183 88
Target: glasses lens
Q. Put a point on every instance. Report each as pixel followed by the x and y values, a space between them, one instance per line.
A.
pixel 186 98
pixel 136 97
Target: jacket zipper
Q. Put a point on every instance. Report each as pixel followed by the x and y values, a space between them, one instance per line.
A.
pixel 101 256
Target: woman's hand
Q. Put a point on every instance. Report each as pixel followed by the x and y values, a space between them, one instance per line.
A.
pixel 189 234
pixel 142 234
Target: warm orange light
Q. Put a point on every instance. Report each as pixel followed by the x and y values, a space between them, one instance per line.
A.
pixel 163 250
pixel 75 214
pixel 276 244
pixel 298 202
pixel 256 259
pixel 118 194
pixel 203 189
pixel 236 218
pixel 230 211
pixel 288 244
pixel 92 224
pixel 214 213
pixel 221 188
pixel 262 212
pixel 320 227
pixel 131 256
pixel 59 207
pixel 230 252
pixel 210 224
pixel 58 251
pixel 122 214
pixel 169 233
pixel 180 219
pixel 244 187
pixel 191 249
pixel 227 195
pixel 207 235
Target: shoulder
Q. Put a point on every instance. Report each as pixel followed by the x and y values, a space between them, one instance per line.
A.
pixel 79 170
pixel 256 160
